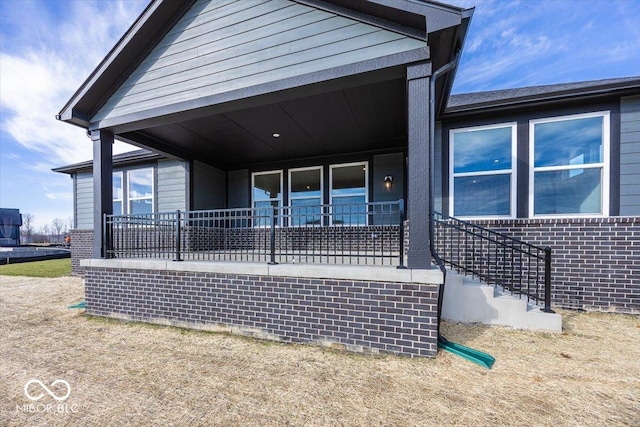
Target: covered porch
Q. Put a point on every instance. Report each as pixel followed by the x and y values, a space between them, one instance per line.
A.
pixel 314 122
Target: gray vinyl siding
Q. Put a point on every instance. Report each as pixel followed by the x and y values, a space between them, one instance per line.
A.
pixel 84 200
pixel 224 45
pixel 209 187
pixel 239 196
pixel 172 186
pixel 630 156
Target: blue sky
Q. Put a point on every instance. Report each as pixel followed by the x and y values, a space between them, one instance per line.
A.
pixel 48 48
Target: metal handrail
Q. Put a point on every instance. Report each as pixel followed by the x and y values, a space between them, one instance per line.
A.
pixel 522 268
pixel 356 233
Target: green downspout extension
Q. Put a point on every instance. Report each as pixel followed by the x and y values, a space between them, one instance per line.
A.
pixel 468 353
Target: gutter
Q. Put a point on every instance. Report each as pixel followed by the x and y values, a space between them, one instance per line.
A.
pixel 470 354
pixel 432 122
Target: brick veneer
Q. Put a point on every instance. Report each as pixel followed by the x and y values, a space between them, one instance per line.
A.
pixel 360 316
pixel 596 261
pixel 81 248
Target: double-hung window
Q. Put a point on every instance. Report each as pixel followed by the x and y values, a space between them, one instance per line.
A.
pixel 569 173
pixel 482 172
pixel 305 196
pixel 266 194
pixel 349 193
pixel 133 192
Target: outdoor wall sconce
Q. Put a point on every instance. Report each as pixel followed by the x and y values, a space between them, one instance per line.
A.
pixel 388 182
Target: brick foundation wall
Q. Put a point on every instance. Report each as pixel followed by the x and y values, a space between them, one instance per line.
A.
pixel 595 261
pixel 361 316
pixel 81 248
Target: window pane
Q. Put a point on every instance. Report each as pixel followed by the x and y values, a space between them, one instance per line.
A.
pixel 482 150
pixel 569 142
pixel 305 212
pixel 140 183
pixel 482 195
pixel 117 208
pixel 263 212
pixel 117 186
pixel 266 186
pixel 305 183
pixel 349 210
pixel 574 191
pixel 144 206
pixel 348 180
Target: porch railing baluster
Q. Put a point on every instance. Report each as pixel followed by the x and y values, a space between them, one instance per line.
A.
pixel 510 258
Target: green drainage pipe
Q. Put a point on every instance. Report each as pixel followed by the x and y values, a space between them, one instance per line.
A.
pixel 475 356
pixel 81 304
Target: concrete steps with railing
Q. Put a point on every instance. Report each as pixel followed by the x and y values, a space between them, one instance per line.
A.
pixel 469 300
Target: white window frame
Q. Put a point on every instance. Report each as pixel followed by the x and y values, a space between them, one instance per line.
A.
pixel 513 171
pixel 365 164
pixel 122 193
pixel 289 172
pixel 129 199
pixel 604 166
pixel 280 193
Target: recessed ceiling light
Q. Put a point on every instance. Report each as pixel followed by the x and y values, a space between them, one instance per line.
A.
pixel 276 135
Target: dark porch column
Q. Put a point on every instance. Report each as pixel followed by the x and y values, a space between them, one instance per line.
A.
pixel 418 76
pixel 102 185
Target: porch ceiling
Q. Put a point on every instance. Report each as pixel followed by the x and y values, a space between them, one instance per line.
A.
pixel 360 118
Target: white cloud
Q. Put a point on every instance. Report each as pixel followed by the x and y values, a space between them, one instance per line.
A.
pixel 44 68
pixel 514 44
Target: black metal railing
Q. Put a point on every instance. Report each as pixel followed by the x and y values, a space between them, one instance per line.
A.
pixel 497 259
pixel 357 233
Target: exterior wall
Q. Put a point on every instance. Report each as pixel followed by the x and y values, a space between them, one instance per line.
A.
pixel 81 248
pixel 239 182
pixel 361 316
pixel 209 187
pixel 522 118
pixel 383 165
pixel 84 200
pixel 172 186
pixel 595 262
pixel 630 156
pixel 222 45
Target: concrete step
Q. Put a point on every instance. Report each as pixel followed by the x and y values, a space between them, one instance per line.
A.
pixel 469 300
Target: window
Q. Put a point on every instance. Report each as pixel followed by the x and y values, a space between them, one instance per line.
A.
pixel 117 193
pixel 133 192
pixel 305 196
pixel 140 191
pixel 569 174
pixel 266 192
pixel 348 196
pixel 482 172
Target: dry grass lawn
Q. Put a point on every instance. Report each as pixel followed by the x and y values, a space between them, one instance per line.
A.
pixel 127 374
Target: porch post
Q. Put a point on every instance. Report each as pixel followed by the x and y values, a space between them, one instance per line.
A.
pixel 418 78
pixel 102 185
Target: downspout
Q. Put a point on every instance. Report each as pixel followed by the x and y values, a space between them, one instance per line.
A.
pixel 432 122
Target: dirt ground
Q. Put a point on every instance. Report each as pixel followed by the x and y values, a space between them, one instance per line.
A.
pixel 131 374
